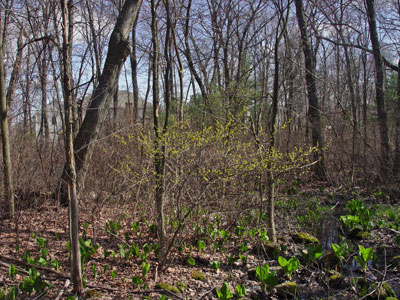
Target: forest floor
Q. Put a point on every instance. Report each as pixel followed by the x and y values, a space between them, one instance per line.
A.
pixel 119 249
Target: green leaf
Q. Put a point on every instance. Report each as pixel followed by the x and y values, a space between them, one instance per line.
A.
pixel 94 269
pixel 240 290
pixel 135 250
pixel 40 261
pixel 122 251
pixel 41 242
pixel 201 245
pixel 68 246
pixel 262 272
pixel 12 272
pixel 191 261
pixel 55 264
pixel 13 294
pixel 224 293
pixel 266 277
pixel 113 274
pixel 145 268
pixel 136 281
pixel 282 261
pixel 293 264
pixel 216 265
pixel 146 248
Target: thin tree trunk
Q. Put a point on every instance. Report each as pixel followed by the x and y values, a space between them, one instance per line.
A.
pixel 380 98
pixel 44 119
pixel 180 74
pixel 5 138
pixel 313 106
pixel 147 94
pixel 396 165
pixel 134 66
pixel 26 100
pixel 76 268
pixel 158 158
pixel 188 55
pixel 14 76
pixel 115 106
pixel 95 43
pixel 365 107
pixel 272 127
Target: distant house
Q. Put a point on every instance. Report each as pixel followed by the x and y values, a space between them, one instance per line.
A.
pixel 122 110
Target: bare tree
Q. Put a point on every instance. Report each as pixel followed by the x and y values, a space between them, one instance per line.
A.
pixel 380 97
pixel 67 35
pixel 313 105
pixel 5 137
pixel 134 67
pixel 159 147
pixel 283 20
pixel 118 50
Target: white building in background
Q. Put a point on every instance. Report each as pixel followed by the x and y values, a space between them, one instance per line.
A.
pixel 123 110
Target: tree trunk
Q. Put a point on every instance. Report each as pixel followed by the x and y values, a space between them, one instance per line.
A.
pixel 192 68
pixel 146 97
pixel 134 65
pixel 396 165
pixel 44 119
pixel 5 138
pixel 380 98
pixel 94 42
pixel 26 101
pixel 180 73
pixel 76 268
pixel 272 127
pixel 115 106
pixel 313 106
pixel 14 75
pixel 118 51
pixel 158 157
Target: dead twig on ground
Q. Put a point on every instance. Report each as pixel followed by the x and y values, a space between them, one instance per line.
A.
pixel 62 291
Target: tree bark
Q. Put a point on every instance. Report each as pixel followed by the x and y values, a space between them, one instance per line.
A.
pixel 180 72
pixel 115 106
pixel 134 66
pixel 313 105
pixel 118 51
pixel 380 98
pixel 76 268
pixel 396 165
pixel 14 76
pixel 5 138
pixel 272 126
pixel 26 107
pixel 94 42
pixel 42 66
pixel 192 68
pixel 158 156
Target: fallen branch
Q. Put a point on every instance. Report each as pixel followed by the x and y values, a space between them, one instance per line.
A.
pixel 160 291
pixel 66 285
pixel 102 288
pixel 25 264
pixel 6 265
pixel 41 296
pixel 206 293
pixel 22 271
